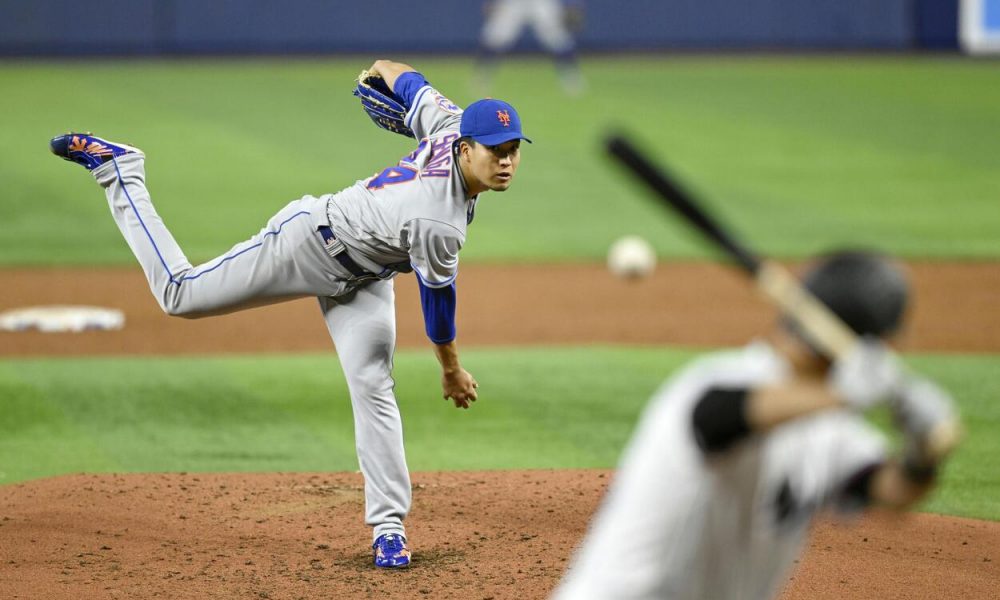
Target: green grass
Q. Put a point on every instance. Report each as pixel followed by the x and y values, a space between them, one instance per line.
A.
pixel 539 408
pixel 971 485
pixel 800 154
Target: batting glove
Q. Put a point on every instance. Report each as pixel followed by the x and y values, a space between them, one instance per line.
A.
pixel 867 375
pixel 920 405
pixel 923 411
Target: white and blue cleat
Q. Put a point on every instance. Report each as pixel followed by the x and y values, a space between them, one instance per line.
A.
pixel 88 150
pixel 391 551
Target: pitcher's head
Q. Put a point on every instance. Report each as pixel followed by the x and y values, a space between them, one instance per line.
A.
pixel 489 150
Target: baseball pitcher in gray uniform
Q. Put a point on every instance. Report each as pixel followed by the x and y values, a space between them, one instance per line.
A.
pixel 738 452
pixel 345 249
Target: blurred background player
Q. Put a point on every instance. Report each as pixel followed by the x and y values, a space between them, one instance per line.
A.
pixel 739 451
pixel 554 23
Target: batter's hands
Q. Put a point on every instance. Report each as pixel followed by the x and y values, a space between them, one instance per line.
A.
pixel 921 405
pixel 867 375
pixel 926 415
pixel 460 387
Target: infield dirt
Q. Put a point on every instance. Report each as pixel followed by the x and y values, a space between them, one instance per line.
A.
pixel 683 304
pixel 485 535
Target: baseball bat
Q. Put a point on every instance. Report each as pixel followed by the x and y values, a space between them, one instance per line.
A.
pixel 815 320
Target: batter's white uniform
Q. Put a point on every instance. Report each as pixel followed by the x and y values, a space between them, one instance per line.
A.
pixel 508 18
pixel 680 524
pixel 412 215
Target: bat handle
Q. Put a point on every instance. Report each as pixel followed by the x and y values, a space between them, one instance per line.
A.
pixel 817 322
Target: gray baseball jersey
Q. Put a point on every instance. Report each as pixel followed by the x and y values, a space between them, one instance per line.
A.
pixel 411 215
pixel 679 524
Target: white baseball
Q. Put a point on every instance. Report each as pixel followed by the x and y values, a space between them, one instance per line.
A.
pixel 631 257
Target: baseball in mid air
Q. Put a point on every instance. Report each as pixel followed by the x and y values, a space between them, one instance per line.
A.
pixel 631 257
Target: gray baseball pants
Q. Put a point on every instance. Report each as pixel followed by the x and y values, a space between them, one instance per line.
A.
pixel 285 260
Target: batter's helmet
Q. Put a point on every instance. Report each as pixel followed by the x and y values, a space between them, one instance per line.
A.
pixel 866 290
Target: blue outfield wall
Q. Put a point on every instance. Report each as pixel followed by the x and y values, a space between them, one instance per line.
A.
pixel 937 24
pixel 149 27
pixel 708 24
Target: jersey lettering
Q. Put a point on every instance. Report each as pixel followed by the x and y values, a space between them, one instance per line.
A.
pixel 412 156
pixel 439 163
pixel 392 176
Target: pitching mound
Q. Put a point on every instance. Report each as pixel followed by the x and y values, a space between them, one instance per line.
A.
pixel 476 535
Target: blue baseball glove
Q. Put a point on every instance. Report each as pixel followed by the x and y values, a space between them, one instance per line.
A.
pixel 384 107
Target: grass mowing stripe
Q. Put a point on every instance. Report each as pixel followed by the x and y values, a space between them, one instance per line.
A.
pixel 293 412
pixel 539 408
pixel 801 153
pixel 181 414
pixel 39 437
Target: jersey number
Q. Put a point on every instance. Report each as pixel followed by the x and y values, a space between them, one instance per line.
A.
pixel 392 176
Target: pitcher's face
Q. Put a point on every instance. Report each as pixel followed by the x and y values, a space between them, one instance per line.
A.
pixel 492 167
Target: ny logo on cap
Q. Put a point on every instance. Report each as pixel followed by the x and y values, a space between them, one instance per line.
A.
pixel 504 117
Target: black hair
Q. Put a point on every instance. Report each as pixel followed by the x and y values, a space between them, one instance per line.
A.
pixel 457 144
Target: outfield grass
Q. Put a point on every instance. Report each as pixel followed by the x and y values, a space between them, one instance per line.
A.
pixel 539 408
pixel 800 153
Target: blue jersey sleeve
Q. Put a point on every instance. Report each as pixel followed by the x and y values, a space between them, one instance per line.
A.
pixel 407 85
pixel 439 311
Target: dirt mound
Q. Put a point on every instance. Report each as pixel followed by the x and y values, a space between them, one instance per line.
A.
pixel 503 535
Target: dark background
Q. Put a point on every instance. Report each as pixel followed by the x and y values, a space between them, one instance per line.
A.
pixel 171 27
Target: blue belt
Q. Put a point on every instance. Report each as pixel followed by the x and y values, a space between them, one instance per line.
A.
pixel 335 248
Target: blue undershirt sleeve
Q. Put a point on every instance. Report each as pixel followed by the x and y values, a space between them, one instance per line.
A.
pixel 439 311
pixel 407 85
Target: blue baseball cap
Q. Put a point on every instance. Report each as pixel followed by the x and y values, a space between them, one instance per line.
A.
pixel 491 122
